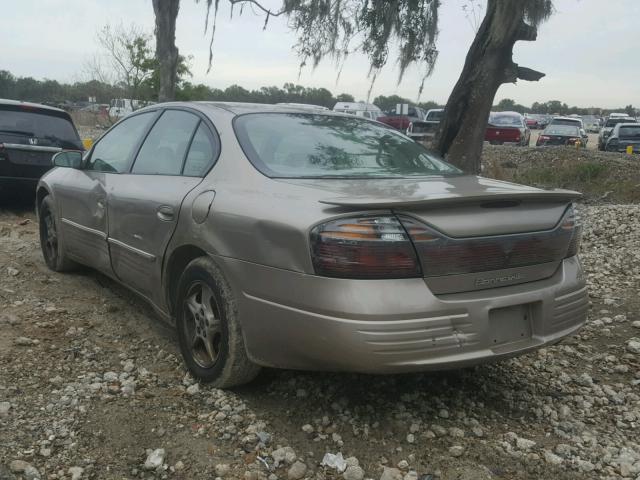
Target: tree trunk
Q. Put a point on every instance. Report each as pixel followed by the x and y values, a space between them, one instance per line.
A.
pixel 488 65
pixel 166 12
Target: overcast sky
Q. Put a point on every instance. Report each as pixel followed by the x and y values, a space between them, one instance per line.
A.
pixel 588 49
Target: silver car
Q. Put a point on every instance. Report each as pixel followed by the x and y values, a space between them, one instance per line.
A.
pixel 274 236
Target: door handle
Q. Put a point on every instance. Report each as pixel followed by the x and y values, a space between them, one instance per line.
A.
pixel 165 213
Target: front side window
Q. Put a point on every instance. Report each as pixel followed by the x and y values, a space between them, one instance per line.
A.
pixel 113 151
pixel 298 145
pixel 163 150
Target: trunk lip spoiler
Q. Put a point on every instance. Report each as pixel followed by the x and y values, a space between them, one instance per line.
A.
pixel 448 199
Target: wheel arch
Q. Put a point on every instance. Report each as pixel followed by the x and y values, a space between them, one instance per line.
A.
pixel 178 260
pixel 41 192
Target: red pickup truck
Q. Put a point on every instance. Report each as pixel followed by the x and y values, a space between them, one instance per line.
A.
pixel 401 122
pixel 507 127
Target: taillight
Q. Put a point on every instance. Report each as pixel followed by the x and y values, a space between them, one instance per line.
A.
pixel 442 255
pixel 572 222
pixel 365 247
pixel 543 137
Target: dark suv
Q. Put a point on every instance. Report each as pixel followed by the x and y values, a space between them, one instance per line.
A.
pixel 30 134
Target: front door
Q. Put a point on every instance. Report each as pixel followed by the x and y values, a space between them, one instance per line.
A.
pixel 81 195
pixel 81 203
pixel 144 204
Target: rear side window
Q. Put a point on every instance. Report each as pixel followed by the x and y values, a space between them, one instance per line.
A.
pixel 50 130
pixel 163 151
pixel 113 152
pixel 201 153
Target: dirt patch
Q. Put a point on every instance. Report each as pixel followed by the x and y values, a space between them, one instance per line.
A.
pixel 96 383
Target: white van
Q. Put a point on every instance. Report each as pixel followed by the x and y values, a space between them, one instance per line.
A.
pixel 361 109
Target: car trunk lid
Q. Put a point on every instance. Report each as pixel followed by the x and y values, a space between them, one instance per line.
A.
pixel 492 233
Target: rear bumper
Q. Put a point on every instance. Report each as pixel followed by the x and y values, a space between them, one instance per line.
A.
pixel 293 320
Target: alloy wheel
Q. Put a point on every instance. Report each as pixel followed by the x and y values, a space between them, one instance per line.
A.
pixel 202 324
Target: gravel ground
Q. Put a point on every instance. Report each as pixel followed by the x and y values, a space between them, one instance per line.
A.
pixel 92 386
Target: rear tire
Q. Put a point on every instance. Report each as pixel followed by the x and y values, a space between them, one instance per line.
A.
pixel 51 243
pixel 209 332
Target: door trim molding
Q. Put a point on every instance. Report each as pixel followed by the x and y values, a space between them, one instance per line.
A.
pixel 147 256
pixel 85 229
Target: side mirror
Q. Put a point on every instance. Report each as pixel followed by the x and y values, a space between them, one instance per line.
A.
pixel 68 158
pixel 583 133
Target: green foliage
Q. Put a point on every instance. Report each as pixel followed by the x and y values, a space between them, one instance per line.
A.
pixel 509 105
pixel 289 93
pixel 337 28
pixel 30 89
pixel 389 103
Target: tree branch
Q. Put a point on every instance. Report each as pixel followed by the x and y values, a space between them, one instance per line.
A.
pixel 514 72
pixel 257 4
pixel 526 32
pixel 529 74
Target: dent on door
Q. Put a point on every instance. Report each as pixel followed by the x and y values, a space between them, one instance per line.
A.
pixel 81 197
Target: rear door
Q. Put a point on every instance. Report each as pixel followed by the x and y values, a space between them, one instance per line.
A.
pixel 145 203
pixel 81 194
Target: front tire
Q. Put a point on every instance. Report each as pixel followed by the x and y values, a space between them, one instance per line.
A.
pixel 50 241
pixel 209 332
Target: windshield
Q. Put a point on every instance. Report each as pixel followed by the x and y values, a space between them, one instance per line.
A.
pixel 631 131
pixel 612 122
pixel 504 120
pixel 48 129
pixel 301 145
pixel 571 130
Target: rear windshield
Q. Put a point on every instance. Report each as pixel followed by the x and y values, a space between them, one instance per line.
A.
pixel 300 145
pixel 562 130
pixel 504 120
pixel 566 121
pixel 612 122
pixel 48 129
pixel 435 116
pixel 630 131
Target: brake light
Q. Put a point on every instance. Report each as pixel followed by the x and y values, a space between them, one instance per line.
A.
pixel 543 137
pixel 572 222
pixel 443 255
pixel 367 247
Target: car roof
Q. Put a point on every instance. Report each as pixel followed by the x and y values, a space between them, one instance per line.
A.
pixel 6 101
pixel 573 119
pixel 507 113
pixel 240 108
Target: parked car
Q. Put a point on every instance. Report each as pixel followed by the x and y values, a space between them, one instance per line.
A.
pixel 401 122
pixel 535 121
pixel 609 125
pixel 507 127
pixel 30 134
pixel 361 109
pixel 426 129
pixel 555 135
pixel 572 121
pixel 286 238
pixel 624 135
